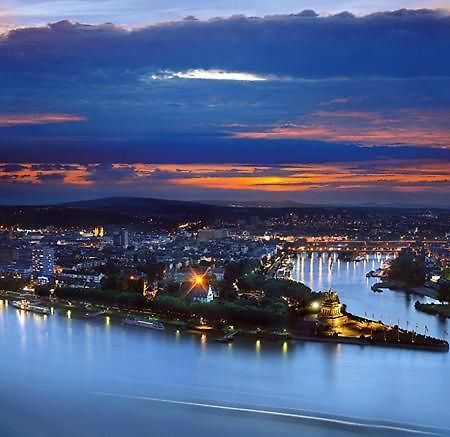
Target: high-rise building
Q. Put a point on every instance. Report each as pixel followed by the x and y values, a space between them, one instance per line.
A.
pixel 43 262
pixel 121 239
pixel 124 238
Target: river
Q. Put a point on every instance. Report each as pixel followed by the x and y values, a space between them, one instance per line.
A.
pixel 64 377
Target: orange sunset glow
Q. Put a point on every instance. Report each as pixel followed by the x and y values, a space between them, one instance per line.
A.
pixel 400 175
pixel 404 127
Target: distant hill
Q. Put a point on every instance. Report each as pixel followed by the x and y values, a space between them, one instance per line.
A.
pixel 51 215
pixel 151 207
pixel 259 204
pixel 138 211
pixel 148 207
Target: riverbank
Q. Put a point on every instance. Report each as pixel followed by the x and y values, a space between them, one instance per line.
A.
pixel 438 309
pixel 390 337
pixel 420 290
pixel 439 347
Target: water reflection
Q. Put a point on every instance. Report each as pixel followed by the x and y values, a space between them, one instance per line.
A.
pixel 258 346
pixel 285 348
pixel 354 289
pixel 79 357
pixel 203 341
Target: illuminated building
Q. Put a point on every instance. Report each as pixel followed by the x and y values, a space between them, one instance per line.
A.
pixel 200 290
pixel 201 294
pixel 331 310
pixel 43 262
pixel 98 232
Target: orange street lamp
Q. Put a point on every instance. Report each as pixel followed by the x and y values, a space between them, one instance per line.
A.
pixel 198 280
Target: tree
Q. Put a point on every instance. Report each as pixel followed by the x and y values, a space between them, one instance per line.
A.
pixel 444 291
pixel 154 270
pixel 408 267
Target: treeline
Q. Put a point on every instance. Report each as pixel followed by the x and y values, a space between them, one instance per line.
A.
pixel 237 303
pixel 274 313
pixel 12 284
pixel 245 275
pixel 96 295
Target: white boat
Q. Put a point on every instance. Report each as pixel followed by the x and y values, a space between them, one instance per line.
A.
pixel 25 305
pixel 144 323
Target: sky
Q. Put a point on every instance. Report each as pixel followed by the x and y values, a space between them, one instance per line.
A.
pixel 345 104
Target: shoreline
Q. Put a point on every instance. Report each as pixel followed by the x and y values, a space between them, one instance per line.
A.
pixel 420 290
pixel 437 309
pixel 118 313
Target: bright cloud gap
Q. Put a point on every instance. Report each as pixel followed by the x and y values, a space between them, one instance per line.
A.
pixel 213 74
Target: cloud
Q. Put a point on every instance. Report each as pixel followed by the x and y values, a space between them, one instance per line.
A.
pixel 7 120
pixel 53 167
pixel 369 128
pixel 394 44
pixel 50 177
pixel 424 182
pixel 109 173
pixel 11 168
pixel 287 177
pixel 311 91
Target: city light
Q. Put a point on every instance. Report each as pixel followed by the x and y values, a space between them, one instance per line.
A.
pixel 198 280
pixel 315 305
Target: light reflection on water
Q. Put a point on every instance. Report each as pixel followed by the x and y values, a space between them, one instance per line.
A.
pixel 64 362
pixel 348 278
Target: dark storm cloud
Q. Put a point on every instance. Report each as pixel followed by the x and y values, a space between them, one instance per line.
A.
pixel 50 178
pixel 11 168
pixel 52 167
pixel 400 44
pixel 104 173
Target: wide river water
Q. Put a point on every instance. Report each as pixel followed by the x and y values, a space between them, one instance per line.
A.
pixel 64 377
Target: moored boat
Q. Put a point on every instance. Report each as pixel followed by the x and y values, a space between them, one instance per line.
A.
pixel 144 323
pixel 227 338
pixel 25 305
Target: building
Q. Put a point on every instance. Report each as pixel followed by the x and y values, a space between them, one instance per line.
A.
pixel 8 254
pixel 79 280
pixel 98 232
pixel 121 239
pixel 208 234
pixel 43 262
pixel 201 294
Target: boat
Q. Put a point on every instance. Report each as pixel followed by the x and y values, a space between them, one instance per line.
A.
pixel 144 323
pixel 25 305
pixel 227 338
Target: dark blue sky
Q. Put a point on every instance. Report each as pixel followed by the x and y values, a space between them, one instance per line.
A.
pixel 337 108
